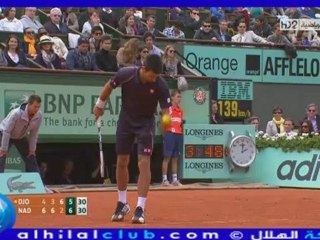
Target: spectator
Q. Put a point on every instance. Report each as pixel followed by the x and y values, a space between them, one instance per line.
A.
pixel 55 26
pixel 130 28
pixel 303 39
pixel 255 12
pixel 128 12
pixel 174 13
pixel 81 58
pixel 174 31
pixel 127 55
pixel 58 47
pixel 262 28
pixel 67 173
pixel 96 33
pixel 84 17
pixel 217 14
pixel 10 23
pixel 43 167
pixel 305 128
pixel 93 21
pixel 293 13
pixel 247 36
pixel 255 121
pixel 307 12
pixel 47 58
pixel 2 12
pixel 150 27
pixel 215 117
pixel 148 39
pixel 171 65
pixel 275 12
pixel 291 36
pixel 28 44
pixel 107 16
pixel 29 19
pixel 69 18
pixel 222 32
pixel 104 59
pixel 143 53
pixel 206 32
pixel 288 129
pixel 277 36
pixel 313 117
pixel 13 53
pixel 3 60
pixel 192 21
pixel 276 125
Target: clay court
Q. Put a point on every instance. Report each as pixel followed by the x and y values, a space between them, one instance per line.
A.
pixel 214 208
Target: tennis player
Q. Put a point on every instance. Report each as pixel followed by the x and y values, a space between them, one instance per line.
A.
pixel 142 89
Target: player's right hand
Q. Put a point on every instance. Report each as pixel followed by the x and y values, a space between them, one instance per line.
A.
pixel 3 153
pixel 98 112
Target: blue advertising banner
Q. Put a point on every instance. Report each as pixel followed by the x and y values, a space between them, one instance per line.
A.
pixel 158 233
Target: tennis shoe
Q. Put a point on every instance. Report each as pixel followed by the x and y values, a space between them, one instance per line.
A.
pixel 138 217
pixel 122 209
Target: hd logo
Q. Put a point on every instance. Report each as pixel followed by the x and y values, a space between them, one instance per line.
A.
pixel 14 98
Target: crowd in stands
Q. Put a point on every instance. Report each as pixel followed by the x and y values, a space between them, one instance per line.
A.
pixel 90 49
pixel 280 126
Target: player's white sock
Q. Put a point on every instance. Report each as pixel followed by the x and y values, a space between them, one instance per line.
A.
pixel 122 196
pixel 164 177
pixel 174 177
pixel 141 202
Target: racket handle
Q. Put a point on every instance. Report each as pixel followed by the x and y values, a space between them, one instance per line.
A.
pixel 101 164
pixel 99 122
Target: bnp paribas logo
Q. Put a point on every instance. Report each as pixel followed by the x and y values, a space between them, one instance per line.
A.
pixel 14 98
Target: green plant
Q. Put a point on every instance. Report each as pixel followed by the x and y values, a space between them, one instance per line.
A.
pixel 298 143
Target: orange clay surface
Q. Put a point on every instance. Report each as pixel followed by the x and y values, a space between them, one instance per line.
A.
pixel 192 208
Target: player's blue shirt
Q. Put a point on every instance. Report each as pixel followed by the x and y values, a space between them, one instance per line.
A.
pixel 138 99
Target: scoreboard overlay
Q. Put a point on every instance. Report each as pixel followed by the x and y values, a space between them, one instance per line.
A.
pixel 38 205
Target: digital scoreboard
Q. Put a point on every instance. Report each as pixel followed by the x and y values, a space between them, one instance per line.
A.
pixel 203 151
pixel 234 98
pixel 37 205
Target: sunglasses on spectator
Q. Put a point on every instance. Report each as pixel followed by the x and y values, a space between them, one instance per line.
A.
pixel 98 33
pixel 195 13
pixel 172 51
pixel 277 113
pixel 206 26
pixel 312 110
pixel 242 26
pixel 30 32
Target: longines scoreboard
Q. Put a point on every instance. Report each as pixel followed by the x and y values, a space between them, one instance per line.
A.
pixel 51 205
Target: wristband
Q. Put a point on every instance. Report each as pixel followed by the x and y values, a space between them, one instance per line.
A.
pixel 100 103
